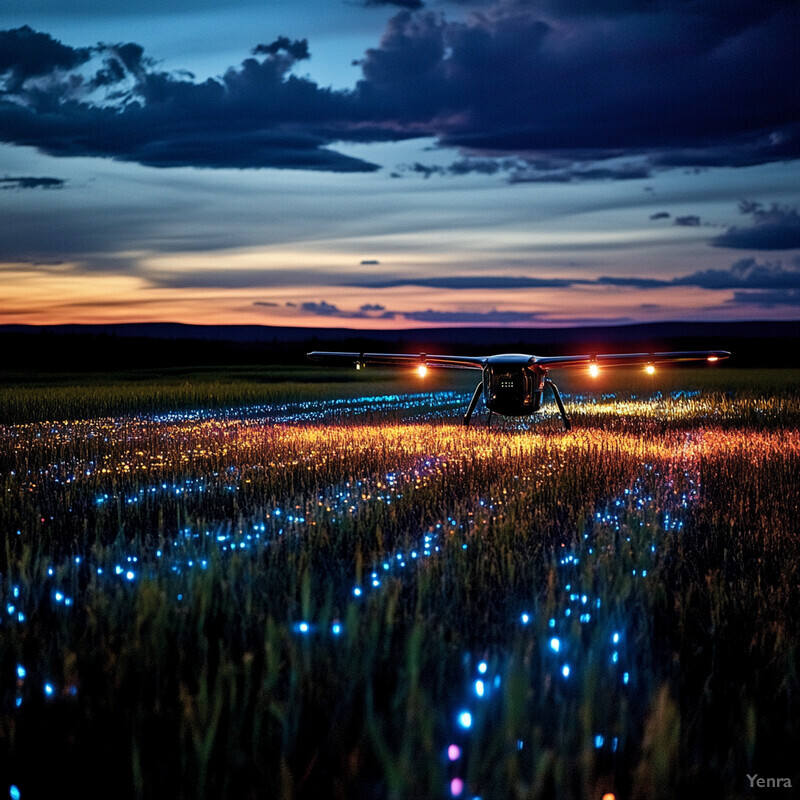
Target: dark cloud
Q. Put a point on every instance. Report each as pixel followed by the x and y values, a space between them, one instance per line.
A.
pixel 322 309
pixel 480 166
pixel 25 53
pixel 424 169
pixel 29 182
pixel 661 215
pixel 676 84
pixel 574 174
pixel 769 299
pixel 637 283
pixel 534 170
pixel 413 5
pixel 746 149
pixel 775 228
pixel 465 166
pixel 744 274
pixel 689 221
pixel 258 115
pixel 470 282
pixel 667 83
pixel 297 50
pixel 492 316
pixel 366 311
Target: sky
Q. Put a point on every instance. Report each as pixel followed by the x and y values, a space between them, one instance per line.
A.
pixel 415 163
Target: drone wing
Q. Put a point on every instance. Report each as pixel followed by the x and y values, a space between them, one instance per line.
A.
pixel 397 360
pixel 627 359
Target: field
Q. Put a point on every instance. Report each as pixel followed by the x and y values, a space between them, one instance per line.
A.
pixel 255 586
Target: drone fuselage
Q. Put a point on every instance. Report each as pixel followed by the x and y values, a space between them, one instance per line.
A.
pixel 512 386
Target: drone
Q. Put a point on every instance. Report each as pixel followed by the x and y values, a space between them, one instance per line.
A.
pixel 513 384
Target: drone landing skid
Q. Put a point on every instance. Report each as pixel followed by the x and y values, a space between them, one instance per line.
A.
pixel 561 410
pixel 474 402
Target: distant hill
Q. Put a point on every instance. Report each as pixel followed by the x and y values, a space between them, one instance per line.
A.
pixel 105 348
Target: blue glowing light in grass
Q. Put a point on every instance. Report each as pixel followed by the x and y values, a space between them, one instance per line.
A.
pixel 49 690
pixel 14 792
pixel 565 670
pixel 465 720
pixel 555 644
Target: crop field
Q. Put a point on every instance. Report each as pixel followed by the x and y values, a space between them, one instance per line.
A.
pixel 337 591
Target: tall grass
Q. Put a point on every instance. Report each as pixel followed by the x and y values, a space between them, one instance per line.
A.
pixel 34 397
pixel 233 643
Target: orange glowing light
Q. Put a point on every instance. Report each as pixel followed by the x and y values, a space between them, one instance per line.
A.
pixel 650 369
pixel 609 796
pixel 713 358
pixel 594 370
pixel 422 370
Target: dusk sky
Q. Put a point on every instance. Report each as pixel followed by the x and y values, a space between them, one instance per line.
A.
pixel 399 164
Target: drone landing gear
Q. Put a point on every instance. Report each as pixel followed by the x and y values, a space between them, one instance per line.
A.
pixel 557 396
pixel 472 403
